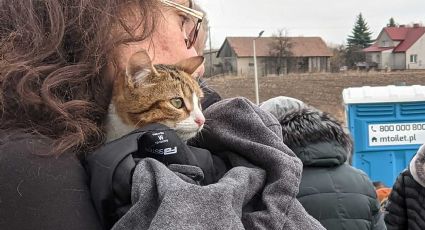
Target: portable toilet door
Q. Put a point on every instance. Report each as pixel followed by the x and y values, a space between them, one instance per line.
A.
pixel 387 124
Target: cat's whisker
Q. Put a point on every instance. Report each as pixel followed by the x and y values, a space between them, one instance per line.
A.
pixel 204 84
pixel 206 87
pixel 148 85
pixel 201 136
pixel 136 126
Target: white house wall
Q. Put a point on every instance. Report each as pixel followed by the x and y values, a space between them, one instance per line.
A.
pixel 387 59
pixel 243 66
pixel 399 61
pixel 246 66
pixel 385 41
pixel 419 49
pixel 375 57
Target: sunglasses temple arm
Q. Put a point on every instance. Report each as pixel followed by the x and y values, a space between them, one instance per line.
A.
pixel 187 10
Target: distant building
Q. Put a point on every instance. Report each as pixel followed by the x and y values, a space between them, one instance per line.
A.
pixel 212 63
pixel 305 54
pixel 398 48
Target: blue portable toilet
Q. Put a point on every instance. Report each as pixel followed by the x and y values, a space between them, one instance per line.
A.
pixel 387 124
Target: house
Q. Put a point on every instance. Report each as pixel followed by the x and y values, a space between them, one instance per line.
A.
pixel 398 48
pixel 301 54
pixel 212 63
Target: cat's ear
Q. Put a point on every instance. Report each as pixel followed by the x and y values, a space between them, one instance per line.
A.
pixel 191 64
pixel 139 66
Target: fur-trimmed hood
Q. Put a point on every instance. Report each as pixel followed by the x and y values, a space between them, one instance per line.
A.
pixel 417 166
pixel 316 137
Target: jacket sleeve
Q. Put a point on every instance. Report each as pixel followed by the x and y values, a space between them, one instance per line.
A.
pixel 378 221
pixel 396 216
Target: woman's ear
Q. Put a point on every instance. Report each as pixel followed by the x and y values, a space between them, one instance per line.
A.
pixel 190 65
pixel 138 68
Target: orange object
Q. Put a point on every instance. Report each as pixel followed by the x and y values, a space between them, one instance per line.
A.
pixel 383 193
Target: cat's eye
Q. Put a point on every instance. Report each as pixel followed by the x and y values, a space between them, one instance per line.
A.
pixel 177 102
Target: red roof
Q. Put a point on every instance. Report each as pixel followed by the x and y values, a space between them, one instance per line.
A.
pixel 397 33
pixel 376 48
pixel 301 46
pixel 406 35
pixel 412 35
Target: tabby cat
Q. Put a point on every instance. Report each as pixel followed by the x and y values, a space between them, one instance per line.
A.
pixel 145 93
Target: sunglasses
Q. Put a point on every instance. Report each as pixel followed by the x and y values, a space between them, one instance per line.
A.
pixel 191 29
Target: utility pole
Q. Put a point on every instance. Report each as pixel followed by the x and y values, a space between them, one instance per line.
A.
pixel 211 62
pixel 257 98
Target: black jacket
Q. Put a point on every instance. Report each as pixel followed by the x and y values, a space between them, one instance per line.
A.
pixel 406 203
pixel 42 192
pixel 338 195
pixel 333 192
pixel 56 193
pixel 111 166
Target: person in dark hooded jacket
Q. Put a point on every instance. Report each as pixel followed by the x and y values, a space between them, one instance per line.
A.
pixel 406 204
pixel 332 191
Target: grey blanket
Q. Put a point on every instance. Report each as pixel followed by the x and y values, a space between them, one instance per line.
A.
pixel 258 192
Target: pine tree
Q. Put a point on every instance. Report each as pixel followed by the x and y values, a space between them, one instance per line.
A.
pixel 360 39
pixel 391 23
pixel 360 35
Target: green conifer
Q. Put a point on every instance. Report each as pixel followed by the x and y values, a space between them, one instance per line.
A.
pixel 361 36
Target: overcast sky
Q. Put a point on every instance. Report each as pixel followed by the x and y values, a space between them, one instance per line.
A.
pixel 332 20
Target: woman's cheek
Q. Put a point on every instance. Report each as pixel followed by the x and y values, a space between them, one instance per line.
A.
pixel 171 50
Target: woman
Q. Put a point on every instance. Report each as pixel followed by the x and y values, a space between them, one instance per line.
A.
pixel 406 207
pixel 58 61
pixel 336 194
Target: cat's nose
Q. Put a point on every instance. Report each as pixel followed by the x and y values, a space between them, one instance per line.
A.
pixel 200 121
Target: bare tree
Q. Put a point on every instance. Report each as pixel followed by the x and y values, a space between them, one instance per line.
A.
pixel 280 48
pixel 338 60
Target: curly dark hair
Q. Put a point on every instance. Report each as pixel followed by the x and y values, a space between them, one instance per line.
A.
pixel 52 54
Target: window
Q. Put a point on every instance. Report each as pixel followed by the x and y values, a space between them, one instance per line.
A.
pixel 413 58
pixel 250 64
pixel 385 43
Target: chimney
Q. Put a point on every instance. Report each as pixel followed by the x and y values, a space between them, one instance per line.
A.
pixel 416 25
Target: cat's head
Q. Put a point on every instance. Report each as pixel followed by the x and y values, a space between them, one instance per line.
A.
pixel 166 94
